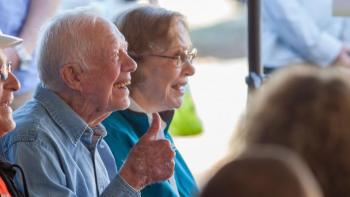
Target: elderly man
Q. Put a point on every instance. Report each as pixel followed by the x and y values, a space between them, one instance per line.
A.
pixel 8 84
pixel 84 69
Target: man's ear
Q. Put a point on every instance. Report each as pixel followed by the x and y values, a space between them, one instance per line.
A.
pixel 71 75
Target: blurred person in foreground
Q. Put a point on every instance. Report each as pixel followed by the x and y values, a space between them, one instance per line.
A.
pixel 84 69
pixel 263 171
pixel 159 42
pixel 307 110
pixel 24 18
pixel 8 85
pixel 294 33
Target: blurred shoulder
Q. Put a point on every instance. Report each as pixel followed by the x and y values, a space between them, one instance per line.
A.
pixel 31 121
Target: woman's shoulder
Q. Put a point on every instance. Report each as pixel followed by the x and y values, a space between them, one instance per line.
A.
pixel 116 121
pixel 119 129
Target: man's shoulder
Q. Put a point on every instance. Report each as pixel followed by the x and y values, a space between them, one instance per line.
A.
pixel 30 117
pixel 30 110
pixel 31 121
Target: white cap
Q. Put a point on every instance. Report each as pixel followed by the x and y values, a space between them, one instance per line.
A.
pixel 8 41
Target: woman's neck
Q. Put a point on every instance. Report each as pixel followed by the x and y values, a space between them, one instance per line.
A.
pixel 141 102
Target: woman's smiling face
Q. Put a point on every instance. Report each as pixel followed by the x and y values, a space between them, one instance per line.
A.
pixel 165 79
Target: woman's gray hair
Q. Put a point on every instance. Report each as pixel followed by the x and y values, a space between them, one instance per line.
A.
pixel 65 39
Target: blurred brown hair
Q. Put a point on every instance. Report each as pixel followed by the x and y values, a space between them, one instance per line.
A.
pixel 264 171
pixel 306 109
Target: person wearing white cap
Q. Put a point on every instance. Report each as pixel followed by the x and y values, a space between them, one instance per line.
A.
pixel 8 40
pixel 8 84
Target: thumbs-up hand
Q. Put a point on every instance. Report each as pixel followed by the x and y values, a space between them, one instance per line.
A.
pixel 153 130
pixel 150 160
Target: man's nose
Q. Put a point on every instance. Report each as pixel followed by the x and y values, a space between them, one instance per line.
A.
pixel 129 64
pixel 12 82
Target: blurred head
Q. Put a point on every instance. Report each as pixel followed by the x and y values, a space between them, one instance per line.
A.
pixel 263 172
pixel 307 110
pixel 84 58
pixel 159 42
pixel 8 84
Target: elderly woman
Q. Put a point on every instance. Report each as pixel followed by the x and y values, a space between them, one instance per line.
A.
pixel 307 110
pixel 8 85
pixel 160 44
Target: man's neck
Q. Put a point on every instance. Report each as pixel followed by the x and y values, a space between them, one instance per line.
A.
pixel 86 111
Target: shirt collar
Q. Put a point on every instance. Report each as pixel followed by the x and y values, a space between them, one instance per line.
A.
pixel 70 122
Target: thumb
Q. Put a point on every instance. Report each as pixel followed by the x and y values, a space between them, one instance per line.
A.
pixel 153 130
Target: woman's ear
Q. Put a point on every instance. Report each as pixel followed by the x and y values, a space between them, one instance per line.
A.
pixel 71 75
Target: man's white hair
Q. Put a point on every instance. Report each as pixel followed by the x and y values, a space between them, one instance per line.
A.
pixel 65 39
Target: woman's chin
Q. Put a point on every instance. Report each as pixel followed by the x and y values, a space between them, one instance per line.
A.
pixel 175 104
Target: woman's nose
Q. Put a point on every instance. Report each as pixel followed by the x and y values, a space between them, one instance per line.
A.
pixel 189 69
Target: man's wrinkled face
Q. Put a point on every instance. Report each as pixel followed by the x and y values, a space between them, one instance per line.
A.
pixel 108 73
pixel 8 84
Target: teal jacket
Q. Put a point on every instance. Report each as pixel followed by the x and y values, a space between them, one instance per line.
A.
pixel 124 130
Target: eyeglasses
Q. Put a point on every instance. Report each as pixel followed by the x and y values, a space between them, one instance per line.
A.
pixel 181 59
pixel 5 69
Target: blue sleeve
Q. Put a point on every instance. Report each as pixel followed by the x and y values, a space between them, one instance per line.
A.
pixel 42 170
pixel 44 174
pixel 120 188
pixel 295 28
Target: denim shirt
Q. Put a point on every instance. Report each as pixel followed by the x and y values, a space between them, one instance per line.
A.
pixel 301 31
pixel 59 153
